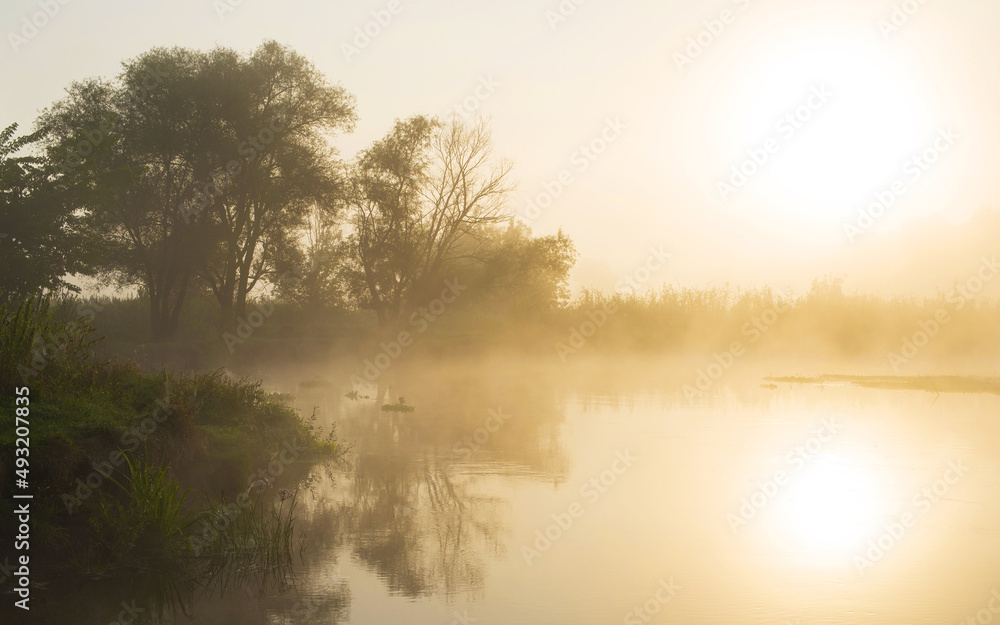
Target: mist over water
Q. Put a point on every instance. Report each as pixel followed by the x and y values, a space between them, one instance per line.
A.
pixel 460 313
pixel 593 494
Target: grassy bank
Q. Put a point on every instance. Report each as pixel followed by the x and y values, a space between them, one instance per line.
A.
pixel 114 451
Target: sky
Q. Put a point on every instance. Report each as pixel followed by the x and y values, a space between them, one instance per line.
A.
pixel 757 141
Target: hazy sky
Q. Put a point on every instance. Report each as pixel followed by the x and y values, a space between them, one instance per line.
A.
pixel 837 108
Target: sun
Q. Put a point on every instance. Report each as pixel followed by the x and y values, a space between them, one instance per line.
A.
pixel 828 510
pixel 823 123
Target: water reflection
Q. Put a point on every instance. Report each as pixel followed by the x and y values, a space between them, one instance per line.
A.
pixel 416 513
pixel 420 524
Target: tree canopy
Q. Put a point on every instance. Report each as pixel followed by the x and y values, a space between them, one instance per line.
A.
pixel 214 173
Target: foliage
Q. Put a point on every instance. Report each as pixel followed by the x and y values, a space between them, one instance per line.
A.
pixel 208 163
pixel 41 239
pixel 416 194
pixel 144 521
pixel 399 406
pixel 32 342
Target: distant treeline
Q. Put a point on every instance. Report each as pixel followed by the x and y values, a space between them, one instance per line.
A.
pixel 824 323
pixel 206 185
pixel 211 176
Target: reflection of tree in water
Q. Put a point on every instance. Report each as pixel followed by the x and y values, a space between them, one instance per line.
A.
pixel 316 592
pixel 328 605
pixel 421 530
pixel 421 509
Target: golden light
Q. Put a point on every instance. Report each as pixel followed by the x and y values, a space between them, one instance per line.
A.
pixel 828 510
pixel 830 154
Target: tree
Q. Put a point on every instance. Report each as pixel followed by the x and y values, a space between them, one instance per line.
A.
pixel 209 162
pixel 415 195
pixel 142 122
pixel 270 163
pixel 40 235
pixel 315 274
pixel 523 275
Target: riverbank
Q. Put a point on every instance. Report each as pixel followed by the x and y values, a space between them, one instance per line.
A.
pixel 159 478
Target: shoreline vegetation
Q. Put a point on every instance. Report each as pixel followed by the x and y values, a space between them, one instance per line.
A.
pixel 166 483
pixel 823 323
pixel 928 383
pixel 206 186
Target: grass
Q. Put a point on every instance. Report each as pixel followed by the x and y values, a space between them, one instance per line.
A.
pixel 142 534
pixel 826 321
pixel 138 533
pixel 247 543
pixel 115 451
pixel 31 340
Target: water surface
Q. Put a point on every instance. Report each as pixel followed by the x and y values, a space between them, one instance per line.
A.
pixel 514 496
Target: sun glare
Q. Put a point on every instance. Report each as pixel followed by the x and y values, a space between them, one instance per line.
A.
pixel 843 117
pixel 828 510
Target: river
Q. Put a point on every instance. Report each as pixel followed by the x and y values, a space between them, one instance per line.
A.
pixel 510 495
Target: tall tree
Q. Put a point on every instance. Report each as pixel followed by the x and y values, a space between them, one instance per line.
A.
pixel 270 162
pixel 210 161
pixel 142 121
pixel 415 195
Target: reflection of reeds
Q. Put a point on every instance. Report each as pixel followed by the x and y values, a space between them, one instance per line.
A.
pixel 143 539
pixel 399 406
pixel 932 384
pixel 141 534
pixel 252 546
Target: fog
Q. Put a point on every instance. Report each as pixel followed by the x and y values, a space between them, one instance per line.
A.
pixel 560 312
